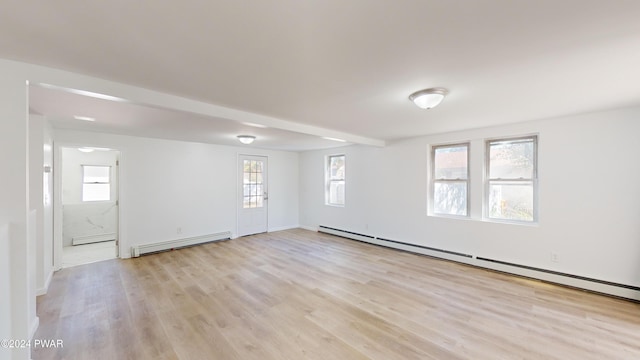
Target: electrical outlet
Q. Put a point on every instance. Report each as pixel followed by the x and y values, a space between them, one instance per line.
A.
pixel 554 257
pixel 179 230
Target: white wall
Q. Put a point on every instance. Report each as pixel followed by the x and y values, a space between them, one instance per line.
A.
pixel 31 273
pixel 86 218
pixel 40 198
pixel 588 192
pixel 46 248
pixel 166 185
pixel 13 207
pixel 5 286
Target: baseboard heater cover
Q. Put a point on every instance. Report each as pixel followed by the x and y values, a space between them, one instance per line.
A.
pixel 581 282
pixel 344 233
pixel 89 239
pixel 383 241
pixel 577 277
pixel 138 250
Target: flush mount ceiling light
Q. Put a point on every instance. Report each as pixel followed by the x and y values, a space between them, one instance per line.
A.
pixel 246 139
pixel 86 149
pixel 428 98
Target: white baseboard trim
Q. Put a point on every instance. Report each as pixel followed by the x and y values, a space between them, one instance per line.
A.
pixel 47 282
pixel 90 239
pixel 310 228
pixel 282 228
pixel 142 249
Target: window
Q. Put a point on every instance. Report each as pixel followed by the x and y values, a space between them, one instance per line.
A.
pixel 450 179
pixel 512 179
pixel 253 184
pixel 96 183
pixel 335 180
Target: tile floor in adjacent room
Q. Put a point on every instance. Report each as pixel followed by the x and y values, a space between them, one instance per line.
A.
pixel 88 253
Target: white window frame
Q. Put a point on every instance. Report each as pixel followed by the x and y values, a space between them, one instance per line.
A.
pixel 94 183
pixel 533 180
pixel 434 180
pixel 329 180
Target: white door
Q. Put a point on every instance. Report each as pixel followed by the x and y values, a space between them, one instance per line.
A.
pixel 252 195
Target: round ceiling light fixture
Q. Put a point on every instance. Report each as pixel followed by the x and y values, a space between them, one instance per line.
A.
pixel 428 98
pixel 246 139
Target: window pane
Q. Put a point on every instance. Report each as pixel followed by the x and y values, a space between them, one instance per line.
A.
pixel 96 192
pixel 93 174
pixel 450 162
pixel 253 189
pixel 511 201
pixel 450 198
pixel 511 159
pixel 336 193
pixel 336 167
pixel 335 180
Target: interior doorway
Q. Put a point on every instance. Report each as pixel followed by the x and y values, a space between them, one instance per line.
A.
pixel 252 195
pixel 89 205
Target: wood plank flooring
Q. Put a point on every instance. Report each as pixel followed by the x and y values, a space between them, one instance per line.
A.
pixel 298 294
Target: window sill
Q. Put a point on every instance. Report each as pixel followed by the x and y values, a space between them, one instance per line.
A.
pixel 334 205
pixel 454 217
pixel 484 220
pixel 511 222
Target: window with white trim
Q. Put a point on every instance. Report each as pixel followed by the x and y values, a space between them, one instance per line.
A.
pixel 335 180
pixel 96 183
pixel 511 179
pixel 450 179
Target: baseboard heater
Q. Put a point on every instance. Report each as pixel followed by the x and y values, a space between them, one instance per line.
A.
pixel 576 277
pixel 425 250
pixel 90 239
pixel 581 282
pixel 138 250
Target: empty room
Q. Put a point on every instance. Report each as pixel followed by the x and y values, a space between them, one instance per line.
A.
pixel 411 179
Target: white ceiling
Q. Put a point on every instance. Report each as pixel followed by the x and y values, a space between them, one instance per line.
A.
pixel 346 66
pixel 132 119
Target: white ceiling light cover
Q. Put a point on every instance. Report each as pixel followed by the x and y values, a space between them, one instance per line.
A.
pixel 246 139
pixel 428 98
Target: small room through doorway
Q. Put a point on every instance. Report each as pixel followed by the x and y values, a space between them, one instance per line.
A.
pixel 89 205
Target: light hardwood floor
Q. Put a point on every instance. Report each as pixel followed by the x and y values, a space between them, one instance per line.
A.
pixel 298 294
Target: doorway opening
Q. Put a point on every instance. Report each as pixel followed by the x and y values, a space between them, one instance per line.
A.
pixel 252 195
pixel 89 199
